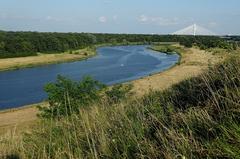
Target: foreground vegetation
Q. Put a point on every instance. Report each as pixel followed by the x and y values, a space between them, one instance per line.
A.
pixel 21 44
pixel 197 118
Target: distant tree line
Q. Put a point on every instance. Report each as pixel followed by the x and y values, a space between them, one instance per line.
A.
pixel 16 44
pixel 235 40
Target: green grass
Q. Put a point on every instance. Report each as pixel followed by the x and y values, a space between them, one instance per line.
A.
pixel 167 48
pixel 197 118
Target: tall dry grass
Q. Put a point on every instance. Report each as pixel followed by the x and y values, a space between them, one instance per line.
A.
pixel 197 118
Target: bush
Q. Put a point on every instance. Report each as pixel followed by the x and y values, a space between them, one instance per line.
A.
pixel 118 93
pixel 67 97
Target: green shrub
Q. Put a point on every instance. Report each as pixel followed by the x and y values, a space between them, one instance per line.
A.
pixel 118 93
pixel 67 97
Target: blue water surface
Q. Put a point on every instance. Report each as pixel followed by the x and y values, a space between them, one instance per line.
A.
pixel 112 65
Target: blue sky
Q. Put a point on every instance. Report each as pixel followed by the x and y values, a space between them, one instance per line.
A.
pixel 119 16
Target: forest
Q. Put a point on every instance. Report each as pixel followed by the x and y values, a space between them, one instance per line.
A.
pixel 20 44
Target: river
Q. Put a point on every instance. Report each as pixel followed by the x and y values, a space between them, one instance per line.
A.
pixel 112 65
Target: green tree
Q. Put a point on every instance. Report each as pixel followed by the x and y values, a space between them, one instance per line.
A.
pixel 2 45
pixel 26 46
pixel 67 97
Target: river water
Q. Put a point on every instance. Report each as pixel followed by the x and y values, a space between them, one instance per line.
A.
pixel 112 65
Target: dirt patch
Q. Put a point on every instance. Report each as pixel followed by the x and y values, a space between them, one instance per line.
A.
pixel 18 119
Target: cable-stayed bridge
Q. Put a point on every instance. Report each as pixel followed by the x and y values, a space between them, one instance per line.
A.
pixel 194 30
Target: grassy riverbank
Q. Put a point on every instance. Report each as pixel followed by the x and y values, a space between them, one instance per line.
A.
pixel 196 118
pixel 168 48
pixel 45 59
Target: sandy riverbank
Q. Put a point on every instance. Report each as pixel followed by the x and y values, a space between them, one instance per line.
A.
pixel 44 59
pixel 193 62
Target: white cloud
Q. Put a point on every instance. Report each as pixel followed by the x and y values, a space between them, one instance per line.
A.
pixel 102 19
pixel 115 17
pixel 49 18
pixel 143 18
pixel 158 20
